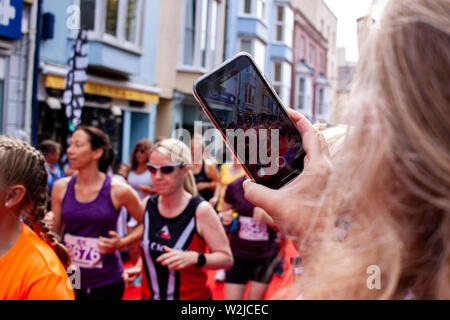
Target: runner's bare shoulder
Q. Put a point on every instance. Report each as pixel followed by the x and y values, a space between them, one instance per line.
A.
pixel 205 211
pixel 60 187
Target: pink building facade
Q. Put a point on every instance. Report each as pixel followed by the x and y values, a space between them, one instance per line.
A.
pixel 310 86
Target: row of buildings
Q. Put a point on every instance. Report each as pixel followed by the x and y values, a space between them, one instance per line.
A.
pixel 145 55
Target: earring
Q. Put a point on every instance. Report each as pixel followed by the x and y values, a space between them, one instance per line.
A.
pixel 6 204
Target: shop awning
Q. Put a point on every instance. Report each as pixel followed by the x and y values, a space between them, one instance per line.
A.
pixel 58 82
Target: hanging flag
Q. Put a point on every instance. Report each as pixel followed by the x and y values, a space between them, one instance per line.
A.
pixel 76 78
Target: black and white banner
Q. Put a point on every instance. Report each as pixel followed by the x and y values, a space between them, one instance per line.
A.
pixel 75 80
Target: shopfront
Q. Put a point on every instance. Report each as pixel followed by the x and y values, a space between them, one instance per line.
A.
pixel 123 110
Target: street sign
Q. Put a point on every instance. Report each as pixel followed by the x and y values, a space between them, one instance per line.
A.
pixel 11 18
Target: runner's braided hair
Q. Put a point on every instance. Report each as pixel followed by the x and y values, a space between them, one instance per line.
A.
pixel 21 164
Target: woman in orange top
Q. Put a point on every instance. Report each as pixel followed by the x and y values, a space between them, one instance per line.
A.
pixel 29 268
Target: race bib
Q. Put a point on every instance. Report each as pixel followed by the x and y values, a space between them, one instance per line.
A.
pixel 252 230
pixel 84 251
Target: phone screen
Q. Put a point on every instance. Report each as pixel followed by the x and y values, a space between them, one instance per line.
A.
pixel 244 108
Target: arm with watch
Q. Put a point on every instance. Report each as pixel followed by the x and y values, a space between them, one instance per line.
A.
pixel 174 259
pixel 178 259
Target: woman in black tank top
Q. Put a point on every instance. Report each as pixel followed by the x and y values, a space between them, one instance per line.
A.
pixel 205 184
pixel 178 226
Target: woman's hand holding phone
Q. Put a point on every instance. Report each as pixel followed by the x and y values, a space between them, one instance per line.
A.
pixel 290 207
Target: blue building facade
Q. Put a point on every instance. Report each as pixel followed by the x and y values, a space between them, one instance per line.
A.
pixel 121 97
pixel 264 28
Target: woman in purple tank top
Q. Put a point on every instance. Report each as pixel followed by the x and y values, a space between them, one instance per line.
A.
pixel 86 207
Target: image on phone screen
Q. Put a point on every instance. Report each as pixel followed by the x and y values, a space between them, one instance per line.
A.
pixel 241 105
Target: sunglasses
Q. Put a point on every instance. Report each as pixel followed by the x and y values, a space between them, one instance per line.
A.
pixel 165 169
pixel 141 151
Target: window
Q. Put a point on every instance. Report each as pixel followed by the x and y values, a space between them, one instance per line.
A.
pixel 204 31
pixel 321 101
pixel 117 22
pixel 302 47
pixel 255 8
pixel 277 74
pixel 283 25
pixel 254 47
pixel 266 101
pixel 279 36
pixel 249 94
pixel 301 94
pixel 189 32
pixel 111 17
pixel 279 28
pixel 87 8
pixel 261 9
pixel 277 90
pixel 213 29
pixel 248 6
pixel 246 46
pixel 321 26
pixel 200 37
pixel 312 56
pixel 277 78
pixel 131 23
pixel 322 63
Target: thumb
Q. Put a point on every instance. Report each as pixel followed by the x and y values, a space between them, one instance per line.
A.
pixel 113 234
pixel 260 195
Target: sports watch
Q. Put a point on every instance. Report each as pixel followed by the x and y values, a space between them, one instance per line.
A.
pixel 201 260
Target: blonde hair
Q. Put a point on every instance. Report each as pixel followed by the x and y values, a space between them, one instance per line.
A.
pixel 180 154
pixel 21 164
pixel 391 180
pixel 334 137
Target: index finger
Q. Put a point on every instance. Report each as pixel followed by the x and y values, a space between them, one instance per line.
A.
pixel 164 256
pixel 113 234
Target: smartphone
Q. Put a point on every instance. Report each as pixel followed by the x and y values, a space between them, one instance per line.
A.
pixel 250 117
